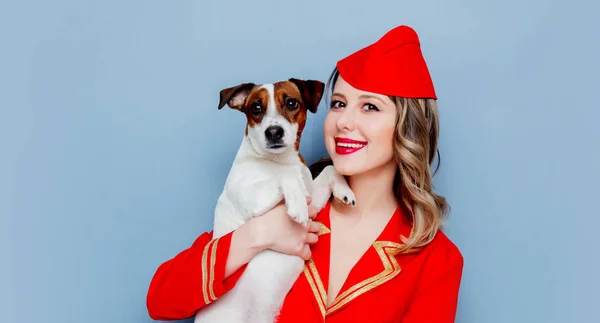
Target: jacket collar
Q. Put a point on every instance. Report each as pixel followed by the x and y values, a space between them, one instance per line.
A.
pixel 378 265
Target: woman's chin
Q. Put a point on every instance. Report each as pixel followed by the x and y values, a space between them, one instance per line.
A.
pixel 346 167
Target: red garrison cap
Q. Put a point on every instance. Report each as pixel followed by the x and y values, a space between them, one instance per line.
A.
pixel 394 65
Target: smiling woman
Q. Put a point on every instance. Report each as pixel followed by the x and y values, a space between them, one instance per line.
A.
pixel 377 122
pixel 383 259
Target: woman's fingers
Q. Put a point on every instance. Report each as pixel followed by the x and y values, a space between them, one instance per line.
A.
pixel 305 253
pixel 314 227
pixel 312 238
pixel 312 212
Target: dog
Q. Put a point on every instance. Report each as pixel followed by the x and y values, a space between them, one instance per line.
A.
pixel 268 168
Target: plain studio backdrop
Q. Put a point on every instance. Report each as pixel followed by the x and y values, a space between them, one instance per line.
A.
pixel 113 151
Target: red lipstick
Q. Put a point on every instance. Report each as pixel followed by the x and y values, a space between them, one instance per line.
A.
pixel 345 146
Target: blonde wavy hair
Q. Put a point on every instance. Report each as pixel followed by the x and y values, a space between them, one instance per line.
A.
pixel 415 147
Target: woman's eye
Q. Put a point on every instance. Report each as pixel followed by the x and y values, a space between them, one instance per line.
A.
pixel 370 107
pixel 337 104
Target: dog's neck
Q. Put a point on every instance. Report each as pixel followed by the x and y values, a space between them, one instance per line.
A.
pixel 247 150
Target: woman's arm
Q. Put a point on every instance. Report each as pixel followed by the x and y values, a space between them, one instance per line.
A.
pixel 194 277
pixel 210 267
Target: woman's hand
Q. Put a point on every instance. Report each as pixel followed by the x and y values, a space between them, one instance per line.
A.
pixel 273 230
pixel 279 232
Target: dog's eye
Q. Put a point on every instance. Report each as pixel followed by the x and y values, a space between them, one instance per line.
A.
pixel 291 103
pixel 255 108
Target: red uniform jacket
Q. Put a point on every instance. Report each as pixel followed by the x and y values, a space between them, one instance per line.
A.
pixel 420 287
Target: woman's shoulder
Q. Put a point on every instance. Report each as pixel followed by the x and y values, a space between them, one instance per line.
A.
pixel 442 250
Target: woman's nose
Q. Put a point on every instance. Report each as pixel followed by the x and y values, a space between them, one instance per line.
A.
pixel 346 120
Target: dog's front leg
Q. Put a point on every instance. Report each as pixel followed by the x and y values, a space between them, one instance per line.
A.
pixel 330 181
pixel 295 193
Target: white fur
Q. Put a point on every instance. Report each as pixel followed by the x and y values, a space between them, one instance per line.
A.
pixel 258 180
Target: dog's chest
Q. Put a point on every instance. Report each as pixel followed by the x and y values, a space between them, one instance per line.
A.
pixel 264 169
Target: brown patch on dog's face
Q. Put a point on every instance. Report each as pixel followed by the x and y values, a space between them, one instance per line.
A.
pixel 294 98
pixel 256 106
pixel 290 105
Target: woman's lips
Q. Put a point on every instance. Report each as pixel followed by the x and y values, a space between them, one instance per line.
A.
pixel 345 146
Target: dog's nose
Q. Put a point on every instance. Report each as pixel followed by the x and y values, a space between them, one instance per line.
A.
pixel 274 133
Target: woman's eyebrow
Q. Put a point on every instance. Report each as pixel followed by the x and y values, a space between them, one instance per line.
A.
pixel 368 96
pixel 339 94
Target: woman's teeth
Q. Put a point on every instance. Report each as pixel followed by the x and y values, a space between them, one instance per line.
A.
pixel 345 145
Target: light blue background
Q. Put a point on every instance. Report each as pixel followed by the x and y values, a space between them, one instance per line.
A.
pixel 113 151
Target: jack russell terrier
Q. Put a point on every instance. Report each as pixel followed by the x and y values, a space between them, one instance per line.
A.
pixel 268 168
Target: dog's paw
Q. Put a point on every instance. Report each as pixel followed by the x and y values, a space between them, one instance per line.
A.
pixel 297 209
pixel 343 193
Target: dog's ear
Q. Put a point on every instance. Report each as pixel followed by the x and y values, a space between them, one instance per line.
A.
pixel 311 91
pixel 235 96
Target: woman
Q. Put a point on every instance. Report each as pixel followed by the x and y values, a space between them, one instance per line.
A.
pixel 383 260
